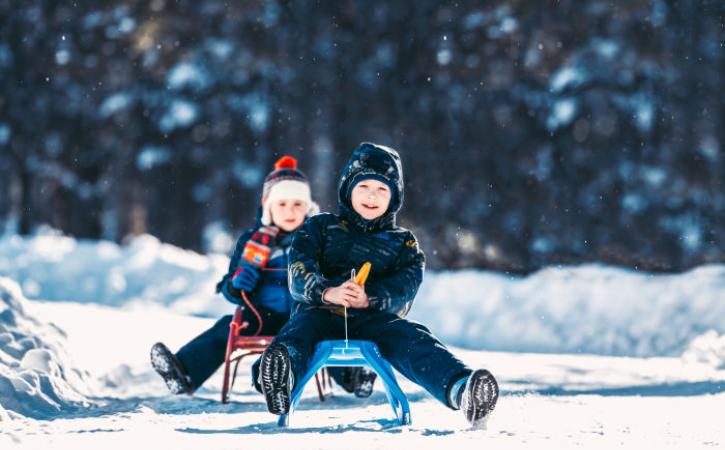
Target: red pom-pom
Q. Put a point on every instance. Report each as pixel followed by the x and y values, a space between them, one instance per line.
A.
pixel 285 162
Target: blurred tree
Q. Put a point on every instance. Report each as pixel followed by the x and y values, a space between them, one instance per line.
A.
pixel 531 133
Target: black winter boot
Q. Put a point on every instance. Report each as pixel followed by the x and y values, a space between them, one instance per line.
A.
pixel 275 374
pixel 479 397
pixel 364 381
pixel 170 369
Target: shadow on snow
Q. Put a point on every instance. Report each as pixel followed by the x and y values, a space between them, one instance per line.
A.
pixel 680 389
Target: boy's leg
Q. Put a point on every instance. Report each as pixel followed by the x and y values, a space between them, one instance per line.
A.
pixel 303 331
pixel 203 355
pixel 272 324
pixel 185 371
pixel 357 380
pixel 344 377
pixel 288 356
pixel 414 351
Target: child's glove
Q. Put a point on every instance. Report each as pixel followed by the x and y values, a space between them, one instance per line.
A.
pixel 246 277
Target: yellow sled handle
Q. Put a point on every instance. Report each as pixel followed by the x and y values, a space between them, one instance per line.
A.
pixel 362 274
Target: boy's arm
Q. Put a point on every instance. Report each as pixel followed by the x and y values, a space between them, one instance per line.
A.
pixel 395 293
pixel 225 286
pixel 306 283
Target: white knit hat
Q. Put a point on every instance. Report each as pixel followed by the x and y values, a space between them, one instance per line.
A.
pixel 289 183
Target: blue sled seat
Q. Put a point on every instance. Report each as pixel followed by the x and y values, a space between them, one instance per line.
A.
pixel 356 353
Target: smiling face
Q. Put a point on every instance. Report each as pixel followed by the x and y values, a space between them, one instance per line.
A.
pixel 288 214
pixel 370 198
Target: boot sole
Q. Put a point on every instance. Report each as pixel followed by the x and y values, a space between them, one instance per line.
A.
pixel 482 395
pixel 275 373
pixel 162 362
pixel 365 383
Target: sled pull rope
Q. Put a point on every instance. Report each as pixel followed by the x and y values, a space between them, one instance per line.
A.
pixel 360 278
pixel 352 278
pixel 251 306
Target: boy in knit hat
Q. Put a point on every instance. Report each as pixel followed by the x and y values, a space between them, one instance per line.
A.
pixel 286 202
pixel 323 253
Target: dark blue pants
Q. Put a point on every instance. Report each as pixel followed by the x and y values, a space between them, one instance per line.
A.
pixel 409 346
pixel 205 353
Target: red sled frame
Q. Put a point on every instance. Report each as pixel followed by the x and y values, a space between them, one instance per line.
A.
pixel 239 347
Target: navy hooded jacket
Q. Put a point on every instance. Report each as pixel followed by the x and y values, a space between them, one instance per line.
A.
pixel 328 246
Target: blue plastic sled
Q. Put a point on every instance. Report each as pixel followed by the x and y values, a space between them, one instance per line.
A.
pixel 357 353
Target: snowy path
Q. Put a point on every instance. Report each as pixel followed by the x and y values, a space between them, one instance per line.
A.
pixel 549 401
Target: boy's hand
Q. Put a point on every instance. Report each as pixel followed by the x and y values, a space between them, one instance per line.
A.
pixel 361 298
pixel 347 294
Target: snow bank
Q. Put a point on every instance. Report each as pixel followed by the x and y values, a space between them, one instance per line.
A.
pixel 36 376
pixel 49 266
pixel 584 309
pixel 708 348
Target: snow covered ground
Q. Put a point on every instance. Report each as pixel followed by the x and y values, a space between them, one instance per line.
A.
pixel 628 360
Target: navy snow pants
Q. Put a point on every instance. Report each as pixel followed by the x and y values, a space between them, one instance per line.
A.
pixel 205 353
pixel 409 346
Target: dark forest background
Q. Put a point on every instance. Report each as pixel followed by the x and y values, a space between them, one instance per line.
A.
pixel 532 132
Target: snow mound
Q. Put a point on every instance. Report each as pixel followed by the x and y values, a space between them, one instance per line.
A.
pixel 37 378
pixel 584 309
pixel 50 266
pixel 708 348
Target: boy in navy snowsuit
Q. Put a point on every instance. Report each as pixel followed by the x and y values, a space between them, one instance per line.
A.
pixel 258 267
pixel 324 251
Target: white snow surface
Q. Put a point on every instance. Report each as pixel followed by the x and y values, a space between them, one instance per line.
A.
pixel 74 370
pixel 548 400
